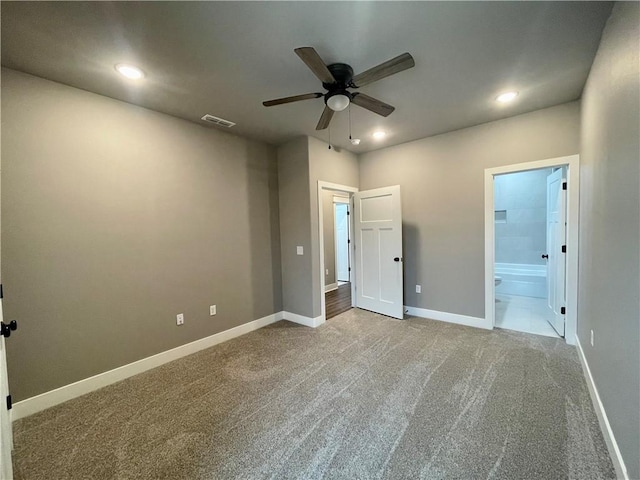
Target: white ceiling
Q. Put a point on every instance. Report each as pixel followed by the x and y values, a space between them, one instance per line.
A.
pixel 225 58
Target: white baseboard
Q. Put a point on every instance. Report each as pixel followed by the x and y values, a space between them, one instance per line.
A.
pixel 607 432
pixel 302 320
pixel 45 400
pixel 449 317
pixel 331 287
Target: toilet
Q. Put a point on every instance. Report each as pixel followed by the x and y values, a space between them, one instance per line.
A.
pixel 498 280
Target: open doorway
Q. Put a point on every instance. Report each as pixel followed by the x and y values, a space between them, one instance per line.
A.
pixel 529 266
pixel 531 246
pixel 342 239
pixel 376 224
pixel 337 256
pixel 336 248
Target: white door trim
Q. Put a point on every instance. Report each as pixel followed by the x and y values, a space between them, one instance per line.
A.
pixel 573 194
pixel 337 188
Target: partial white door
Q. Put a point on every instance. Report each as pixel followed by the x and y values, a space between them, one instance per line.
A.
pixel 342 242
pixel 556 259
pixel 378 243
pixel 6 436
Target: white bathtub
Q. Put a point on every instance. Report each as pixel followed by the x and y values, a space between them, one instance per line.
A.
pixel 521 279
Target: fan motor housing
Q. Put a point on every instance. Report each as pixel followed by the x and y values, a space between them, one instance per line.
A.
pixel 343 74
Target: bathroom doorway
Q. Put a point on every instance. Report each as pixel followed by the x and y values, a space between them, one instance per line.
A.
pixel 528 252
pixel 531 247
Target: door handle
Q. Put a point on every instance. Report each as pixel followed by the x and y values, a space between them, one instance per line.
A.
pixel 6 328
pixel 396 259
pixel 544 255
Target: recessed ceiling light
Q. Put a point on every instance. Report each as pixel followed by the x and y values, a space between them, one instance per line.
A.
pixel 506 97
pixel 379 135
pixel 129 71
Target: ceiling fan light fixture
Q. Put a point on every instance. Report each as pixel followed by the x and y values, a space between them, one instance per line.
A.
pixel 338 102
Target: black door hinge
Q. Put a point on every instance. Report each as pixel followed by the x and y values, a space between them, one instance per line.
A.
pixel 348 213
pixel 564 249
pixel 349 268
pixel 9 403
pixel 349 240
pixel 564 185
pixel 1 293
pixel 563 310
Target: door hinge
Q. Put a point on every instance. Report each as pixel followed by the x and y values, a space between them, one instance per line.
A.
pixel 9 403
pixel 348 213
pixel 1 293
pixel 349 268
pixel 349 240
pixel 564 185
pixel 564 249
pixel 563 310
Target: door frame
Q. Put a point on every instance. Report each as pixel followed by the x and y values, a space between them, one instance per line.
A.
pixel 572 162
pixel 335 187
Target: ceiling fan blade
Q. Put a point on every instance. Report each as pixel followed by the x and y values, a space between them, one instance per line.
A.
pixel 395 65
pixel 309 56
pixel 325 118
pixel 295 98
pixel 373 104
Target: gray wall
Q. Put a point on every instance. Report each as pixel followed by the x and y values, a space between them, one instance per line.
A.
pixel 335 166
pixel 115 219
pixel 295 226
pixel 329 237
pixel 522 238
pixel 609 283
pixel 442 184
pixel 302 162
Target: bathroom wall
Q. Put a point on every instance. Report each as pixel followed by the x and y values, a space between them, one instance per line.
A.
pixel 521 233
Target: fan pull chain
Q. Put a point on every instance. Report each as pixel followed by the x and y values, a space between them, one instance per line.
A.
pixel 349 121
pixel 329 136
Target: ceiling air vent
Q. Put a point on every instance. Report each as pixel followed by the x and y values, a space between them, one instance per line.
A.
pixel 218 121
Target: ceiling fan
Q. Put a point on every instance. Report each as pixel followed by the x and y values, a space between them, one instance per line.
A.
pixel 338 77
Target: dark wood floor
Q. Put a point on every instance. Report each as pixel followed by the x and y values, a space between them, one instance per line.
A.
pixel 338 301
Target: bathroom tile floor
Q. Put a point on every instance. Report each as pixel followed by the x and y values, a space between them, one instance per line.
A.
pixel 523 314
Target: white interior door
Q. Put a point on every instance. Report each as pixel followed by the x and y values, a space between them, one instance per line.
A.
pixel 378 243
pixel 6 436
pixel 342 241
pixel 556 235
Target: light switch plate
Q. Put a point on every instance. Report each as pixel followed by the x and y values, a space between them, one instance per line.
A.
pixel 299 250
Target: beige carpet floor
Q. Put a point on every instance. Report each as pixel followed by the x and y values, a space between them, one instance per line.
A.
pixel 361 397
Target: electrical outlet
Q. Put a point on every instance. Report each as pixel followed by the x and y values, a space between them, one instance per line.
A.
pixel 180 319
pixel 212 310
pixel 592 338
pixel 418 289
pixel 326 272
